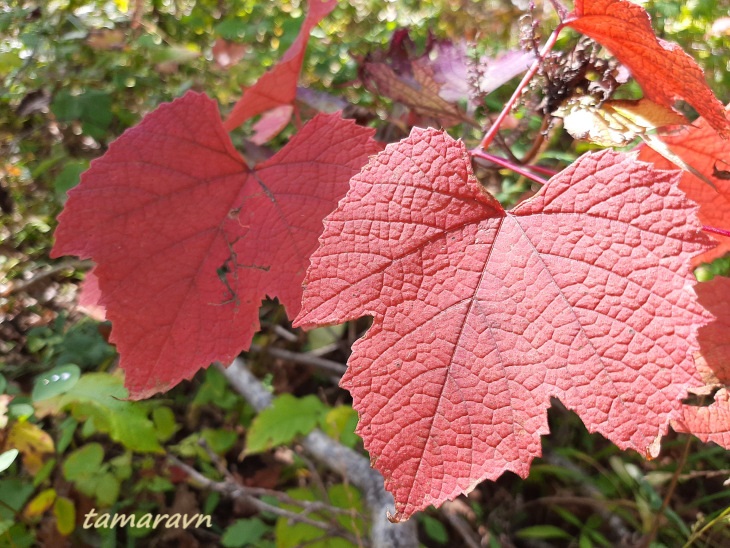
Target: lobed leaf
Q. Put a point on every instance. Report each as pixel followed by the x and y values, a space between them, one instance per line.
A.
pixel 712 422
pixel 663 70
pixel 188 239
pixel 583 292
pixel 702 148
pixel 278 87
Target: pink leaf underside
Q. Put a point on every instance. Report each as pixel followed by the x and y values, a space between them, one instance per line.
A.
pixel 461 78
pixel 702 148
pixel 712 422
pixel 271 123
pixel 662 69
pixel 583 292
pixel 90 297
pixel 279 86
pixel 188 239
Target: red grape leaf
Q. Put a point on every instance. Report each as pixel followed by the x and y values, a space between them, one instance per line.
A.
pixel 188 239
pixel 704 150
pixel 279 86
pixel 712 422
pixel 663 69
pixel 583 292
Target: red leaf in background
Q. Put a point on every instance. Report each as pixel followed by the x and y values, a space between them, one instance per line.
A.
pixel 582 292
pixel 461 78
pixel 188 239
pixel 279 86
pixel 712 422
pixel 432 82
pixel 662 69
pixel 417 90
pixel 703 149
pixel 271 123
pixel 226 54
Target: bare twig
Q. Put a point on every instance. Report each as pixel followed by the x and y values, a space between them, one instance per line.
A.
pixel 25 285
pixel 243 493
pixel 285 333
pixel 457 521
pixel 328 366
pixel 338 458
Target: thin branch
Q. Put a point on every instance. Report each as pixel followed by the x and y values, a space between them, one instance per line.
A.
pixel 718 231
pixel 489 137
pixel 506 163
pixel 328 366
pixel 25 285
pixel 339 459
pixel 457 521
pixel 242 493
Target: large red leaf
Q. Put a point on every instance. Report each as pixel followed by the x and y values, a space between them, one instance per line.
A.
pixel 188 239
pixel 278 87
pixel 704 150
pixel 662 69
pixel 583 292
pixel 712 422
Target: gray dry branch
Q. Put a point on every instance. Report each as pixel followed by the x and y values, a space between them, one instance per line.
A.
pixel 338 458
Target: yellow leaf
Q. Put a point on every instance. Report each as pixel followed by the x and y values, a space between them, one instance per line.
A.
pixel 40 503
pixel 32 442
pixel 614 123
pixel 65 513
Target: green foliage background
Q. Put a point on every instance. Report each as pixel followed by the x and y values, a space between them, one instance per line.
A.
pixel 73 76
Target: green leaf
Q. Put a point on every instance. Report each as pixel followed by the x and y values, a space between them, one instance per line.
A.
pixel 165 424
pixel 65 513
pixel 7 458
pixel 324 336
pixel 69 177
pixel 102 396
pixel 435 530
pixel 232 28
pixel 287 418
pixel 13 495
pixel 56 381
pixel 44 473
pixel 340 423
pixel 543 532
pixel 83 462
pixel 107 489
pixel 219 440
pixel 291 535
pixel 66 429
pixel 91 107
pixel 244 532
pixel 20 410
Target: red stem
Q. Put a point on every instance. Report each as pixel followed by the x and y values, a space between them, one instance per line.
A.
pixel 720 231
pixel 489 137
pixel 509 165
pixel 544 170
